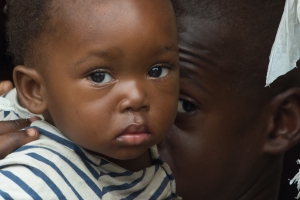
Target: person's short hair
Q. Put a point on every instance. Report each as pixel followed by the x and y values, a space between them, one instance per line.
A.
pixel 26 21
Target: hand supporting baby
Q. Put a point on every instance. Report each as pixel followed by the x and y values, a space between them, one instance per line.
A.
pixel 5 86
pixel 11 137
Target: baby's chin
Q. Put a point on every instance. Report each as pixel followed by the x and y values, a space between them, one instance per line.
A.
pixel 122 154
pixel 132 160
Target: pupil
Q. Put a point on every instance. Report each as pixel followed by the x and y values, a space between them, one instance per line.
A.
pixel 97 77
pixel 155 72
pixel 188 106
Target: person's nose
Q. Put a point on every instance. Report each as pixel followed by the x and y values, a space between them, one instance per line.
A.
pixel 134 97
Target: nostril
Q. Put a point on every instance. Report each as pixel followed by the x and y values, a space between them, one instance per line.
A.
pixel 137 108
pixel 145 107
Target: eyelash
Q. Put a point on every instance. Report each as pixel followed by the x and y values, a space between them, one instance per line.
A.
pixel 98 70
pixel 167 65
pixel 164 64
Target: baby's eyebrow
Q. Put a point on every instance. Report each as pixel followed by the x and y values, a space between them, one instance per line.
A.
pixel 106 54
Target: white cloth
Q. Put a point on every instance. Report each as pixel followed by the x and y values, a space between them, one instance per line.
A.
pixel 296 179
pixel 286 49
pixel 53 167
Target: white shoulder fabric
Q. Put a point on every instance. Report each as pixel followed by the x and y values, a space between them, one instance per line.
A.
pixel 11 104
pixel 6 105
pixel 286 49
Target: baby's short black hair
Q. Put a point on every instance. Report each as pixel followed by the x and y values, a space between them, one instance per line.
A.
pixel 26 21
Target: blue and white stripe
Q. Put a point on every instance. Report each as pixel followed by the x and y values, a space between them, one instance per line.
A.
pixel 53 167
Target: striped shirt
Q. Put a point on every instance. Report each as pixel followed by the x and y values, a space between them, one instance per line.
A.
pixel 53 167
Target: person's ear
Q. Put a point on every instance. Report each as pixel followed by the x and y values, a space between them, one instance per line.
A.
pixel 30 88
pixel 284 122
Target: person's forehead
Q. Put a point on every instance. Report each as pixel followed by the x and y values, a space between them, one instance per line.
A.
pixel 238 33
pixel 212 57
pixel 207 45
pixel 111 6
pixel 227 46
pixel 111 14
pixel 216 36
pixel 220 57
pixel 89 19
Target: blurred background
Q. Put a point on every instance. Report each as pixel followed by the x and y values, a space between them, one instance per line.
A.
pixel 5 62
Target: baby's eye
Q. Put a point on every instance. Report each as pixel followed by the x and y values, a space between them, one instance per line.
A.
pixel 100 77
pixel 158 72
pixel 185 106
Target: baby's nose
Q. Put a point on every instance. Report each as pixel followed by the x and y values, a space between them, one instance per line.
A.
pixel 134 97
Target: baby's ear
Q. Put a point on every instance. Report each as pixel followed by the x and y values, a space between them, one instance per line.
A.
pixel 284 122
pixel 30 87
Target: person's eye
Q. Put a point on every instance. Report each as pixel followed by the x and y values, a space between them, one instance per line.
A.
pixel 100 77
pixel 185 106
pixel 158 71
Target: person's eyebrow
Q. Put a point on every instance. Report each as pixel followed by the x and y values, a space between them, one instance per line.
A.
pixel 192 77
pixel 192 54
pixel 114 52
pixel 106 54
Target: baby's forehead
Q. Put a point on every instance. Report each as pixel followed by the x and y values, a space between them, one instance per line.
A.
pixel 83 24
pixel 104 12
pixel 32 25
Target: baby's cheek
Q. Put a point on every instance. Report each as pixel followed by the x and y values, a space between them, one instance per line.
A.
pixel 165 115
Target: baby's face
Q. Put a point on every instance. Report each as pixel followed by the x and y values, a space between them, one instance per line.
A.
pixel 111 74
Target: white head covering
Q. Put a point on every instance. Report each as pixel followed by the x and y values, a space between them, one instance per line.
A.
pixel 298 10
pixel 286 48
pixel 296 179
pixel 286 51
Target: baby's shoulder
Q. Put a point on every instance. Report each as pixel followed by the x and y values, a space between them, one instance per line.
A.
pixel 41 169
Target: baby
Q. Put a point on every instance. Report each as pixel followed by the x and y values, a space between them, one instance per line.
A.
pixel 104 77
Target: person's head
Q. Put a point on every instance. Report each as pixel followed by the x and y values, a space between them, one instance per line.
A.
pixel 230 131
pixel 105 73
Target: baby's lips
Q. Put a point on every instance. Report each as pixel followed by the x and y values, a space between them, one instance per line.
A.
pixel 135 128
pixel 134 134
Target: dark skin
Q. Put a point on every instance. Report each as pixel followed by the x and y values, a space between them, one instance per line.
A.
pixel 245 143
pixel 233 126
pixel 104 83
pixel 246 136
